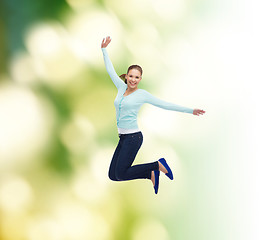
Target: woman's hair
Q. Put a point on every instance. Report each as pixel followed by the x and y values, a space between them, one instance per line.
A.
pixel 131 67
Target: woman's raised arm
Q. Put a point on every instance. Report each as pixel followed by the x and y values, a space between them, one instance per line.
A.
pixel 108 64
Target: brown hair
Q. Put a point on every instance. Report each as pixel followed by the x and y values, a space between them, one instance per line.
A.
pixel 131 67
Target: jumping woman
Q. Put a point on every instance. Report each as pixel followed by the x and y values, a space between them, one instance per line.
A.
pixel 127 104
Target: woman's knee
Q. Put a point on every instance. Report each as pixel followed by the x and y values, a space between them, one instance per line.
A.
pixel 112 176
pixel 120 175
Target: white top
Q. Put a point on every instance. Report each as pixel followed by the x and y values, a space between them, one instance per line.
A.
pixel 127 131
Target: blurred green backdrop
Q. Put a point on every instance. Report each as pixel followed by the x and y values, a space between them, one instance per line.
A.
pixel 58 128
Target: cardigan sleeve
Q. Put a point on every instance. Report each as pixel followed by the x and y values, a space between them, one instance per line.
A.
pixel 110 69
pixel 149 98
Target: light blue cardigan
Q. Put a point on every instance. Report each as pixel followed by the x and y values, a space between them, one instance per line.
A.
pixel 127 107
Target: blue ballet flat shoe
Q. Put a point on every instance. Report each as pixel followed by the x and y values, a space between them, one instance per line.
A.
pixel 169 172
pixel 157 173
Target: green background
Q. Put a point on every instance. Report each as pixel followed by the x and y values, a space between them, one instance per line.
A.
pixel 58 127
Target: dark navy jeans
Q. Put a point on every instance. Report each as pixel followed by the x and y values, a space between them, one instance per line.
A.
pixel 121 168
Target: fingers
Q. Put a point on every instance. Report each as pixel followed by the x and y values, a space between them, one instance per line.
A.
pixel 198 112
pixel 201 112
pixel 102 45
pixel 106 41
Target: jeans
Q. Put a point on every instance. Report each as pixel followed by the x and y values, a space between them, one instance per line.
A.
pixel 121 168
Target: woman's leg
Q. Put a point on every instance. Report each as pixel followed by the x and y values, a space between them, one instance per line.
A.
pixel 130 144
pixel 114 161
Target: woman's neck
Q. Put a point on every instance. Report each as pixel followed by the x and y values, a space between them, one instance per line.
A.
pixel 131 90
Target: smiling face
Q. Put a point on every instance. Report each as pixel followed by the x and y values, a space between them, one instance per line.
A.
pixel 133 78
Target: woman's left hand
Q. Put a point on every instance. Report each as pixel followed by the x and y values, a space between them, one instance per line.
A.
pixel 198 112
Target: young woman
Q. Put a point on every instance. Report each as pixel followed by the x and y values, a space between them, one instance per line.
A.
pixel 127 103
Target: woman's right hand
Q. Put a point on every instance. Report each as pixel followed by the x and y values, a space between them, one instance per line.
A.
pixel 106 42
